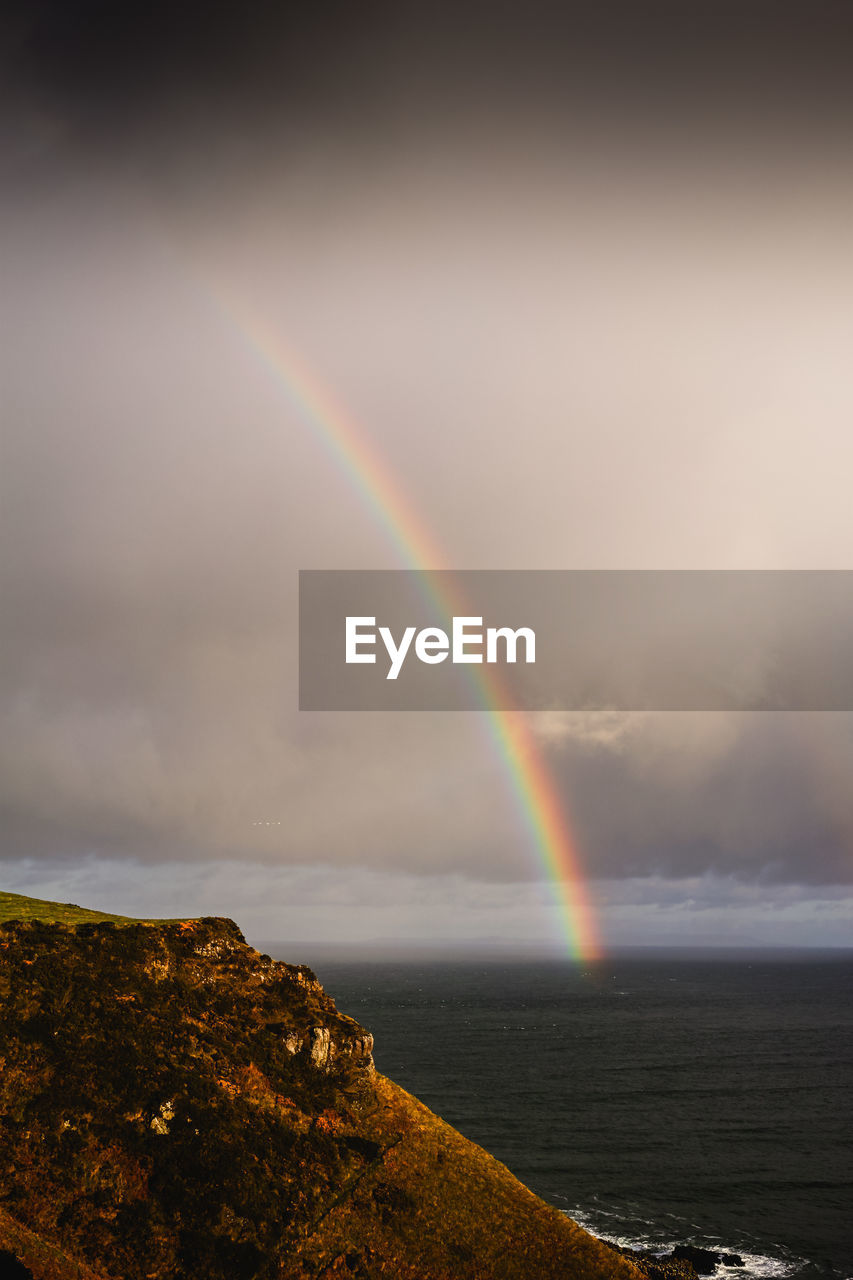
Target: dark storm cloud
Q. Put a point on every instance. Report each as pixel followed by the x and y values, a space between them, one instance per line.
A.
pixel 373 65
pixel 160 492
pixel 759 798
pixel 571 350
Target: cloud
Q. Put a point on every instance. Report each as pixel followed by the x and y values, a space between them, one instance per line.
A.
pixel 757 797
pixel 310 912
pixel 604 730
pixel 568 354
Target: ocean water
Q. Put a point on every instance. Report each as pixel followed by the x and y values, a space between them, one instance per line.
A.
pixel 657 1099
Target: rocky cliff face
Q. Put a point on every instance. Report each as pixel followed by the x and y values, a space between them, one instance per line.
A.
pixel 173 1104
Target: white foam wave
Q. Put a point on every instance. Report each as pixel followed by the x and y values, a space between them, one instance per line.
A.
pixel 757 1266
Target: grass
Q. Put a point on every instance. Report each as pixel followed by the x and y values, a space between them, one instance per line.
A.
pixel 15 906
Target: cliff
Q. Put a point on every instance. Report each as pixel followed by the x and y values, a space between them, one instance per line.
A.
pixel 173 1104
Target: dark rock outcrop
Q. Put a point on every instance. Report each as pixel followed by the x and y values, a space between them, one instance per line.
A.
pixel 656 1267
pixel 684 1262
pixel 705 1261
pixel 173 1104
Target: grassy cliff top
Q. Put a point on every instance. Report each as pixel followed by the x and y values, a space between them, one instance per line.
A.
pixel 15 906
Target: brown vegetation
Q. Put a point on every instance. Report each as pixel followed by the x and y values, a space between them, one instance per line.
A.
pixel 173 1104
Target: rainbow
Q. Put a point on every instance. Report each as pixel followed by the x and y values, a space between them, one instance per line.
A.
pixel 537 800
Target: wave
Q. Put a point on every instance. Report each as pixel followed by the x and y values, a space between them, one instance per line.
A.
pixel 630 1231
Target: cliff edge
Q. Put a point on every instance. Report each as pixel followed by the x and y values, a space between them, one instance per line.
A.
pixel 174 1104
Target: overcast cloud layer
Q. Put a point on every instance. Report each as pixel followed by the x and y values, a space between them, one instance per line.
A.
pixel 593 320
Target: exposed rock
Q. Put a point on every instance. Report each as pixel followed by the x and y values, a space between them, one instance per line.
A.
pixel 684 1262
pixel 175 1105
pixel 656 1267
pixel 705 1261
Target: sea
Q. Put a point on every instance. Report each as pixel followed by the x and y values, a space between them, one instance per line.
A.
pixel 657 1098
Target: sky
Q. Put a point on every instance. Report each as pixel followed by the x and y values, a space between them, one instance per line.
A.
pixel 583 278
